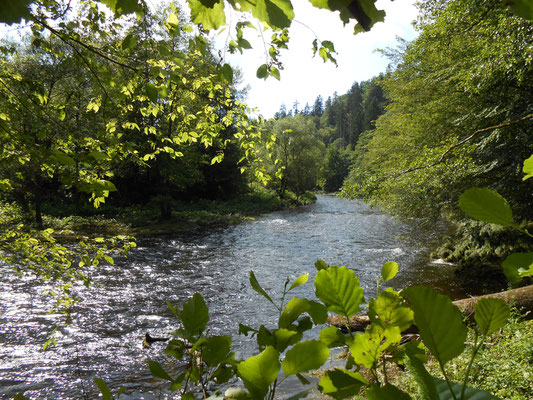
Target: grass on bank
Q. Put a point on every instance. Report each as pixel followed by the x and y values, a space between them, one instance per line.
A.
pixel 503 367
pixel 109 220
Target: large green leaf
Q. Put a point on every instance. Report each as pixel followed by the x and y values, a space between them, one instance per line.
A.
pixel 387 392
pixel 439 321
pixel 294 308
pixel 523 8
pixel 258 372
pixel 338 288
pixel 427 388
pixel 210 17
pixel 304 357
pixel 341 383
pixel 195 315
pixel 491 314
pixel 518 266
pixel 12 11
pixel 470 393
pixel 486 205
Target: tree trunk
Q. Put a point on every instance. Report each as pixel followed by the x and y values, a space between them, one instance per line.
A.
pixel 521 298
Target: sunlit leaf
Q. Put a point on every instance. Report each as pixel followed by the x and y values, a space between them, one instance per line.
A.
pixel 299 281
pixel 210 17
pixel 304 357
pixel 389 270
pixel 258 372
pixel 338 288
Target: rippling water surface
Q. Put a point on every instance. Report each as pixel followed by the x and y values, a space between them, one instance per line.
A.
pixel 130 298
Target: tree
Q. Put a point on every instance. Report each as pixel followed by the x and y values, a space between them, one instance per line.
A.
pixel 299 152
pixel 456 118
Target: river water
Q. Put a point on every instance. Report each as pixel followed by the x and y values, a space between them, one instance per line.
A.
pixel 130 298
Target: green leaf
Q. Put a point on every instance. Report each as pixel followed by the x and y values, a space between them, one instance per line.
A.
pixel 470 393
pixel 341 384
pixel 104 389
pixel 386 310
pixel 12 11
pixel 491 314
pixel 63 158
pixel 275 73
pixel 157 371
pixel 258 372
pixel 339 290
pixel 305 356
pixel 255 286
pixel 319 265
pixel 294 308
pixel 152 92
pixel 440 323
pixel 528 167
pixel 262 72
pixel 486 205
pixel 299 281
pixel 332 337
pixel 387 392
pixel 129 42
pixel 176 348
pixel 227 72
pixel 276 13
pixel 285 338
pixel 427 388
pixel 215 349
pixel 389 270
pixel 367 347
pixel 517 266
pixel 236 393
pixel 195 315
pixel 522 8
pixel 210 17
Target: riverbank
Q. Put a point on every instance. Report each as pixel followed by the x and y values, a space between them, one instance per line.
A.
pixel 147 220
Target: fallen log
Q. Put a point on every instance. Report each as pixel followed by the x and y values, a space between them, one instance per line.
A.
pixel 521 298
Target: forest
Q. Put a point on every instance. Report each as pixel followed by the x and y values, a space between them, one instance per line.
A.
pixel 120 119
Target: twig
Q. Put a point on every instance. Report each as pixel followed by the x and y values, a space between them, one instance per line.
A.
pixel 473 135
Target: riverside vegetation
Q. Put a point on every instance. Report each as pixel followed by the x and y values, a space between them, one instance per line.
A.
pixel 138 100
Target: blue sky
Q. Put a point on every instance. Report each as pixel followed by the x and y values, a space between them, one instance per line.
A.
pixel 305 77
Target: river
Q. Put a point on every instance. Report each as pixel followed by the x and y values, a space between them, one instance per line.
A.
pixel 130 298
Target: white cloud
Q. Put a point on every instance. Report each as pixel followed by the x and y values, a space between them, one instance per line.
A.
pixel 305 77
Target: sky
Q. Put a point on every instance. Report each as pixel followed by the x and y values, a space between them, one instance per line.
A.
pixel 305 77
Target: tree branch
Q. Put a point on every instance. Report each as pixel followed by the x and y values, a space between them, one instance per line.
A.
pixel 460 143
